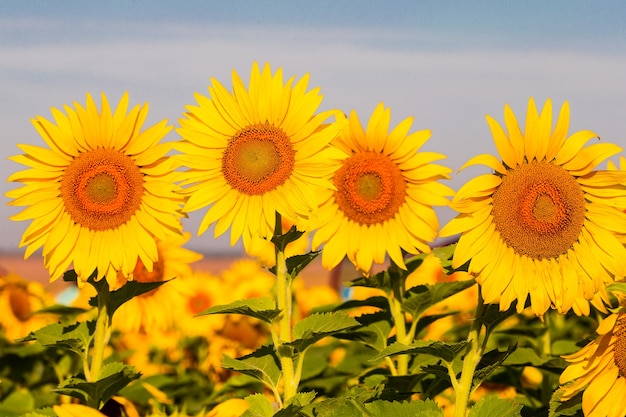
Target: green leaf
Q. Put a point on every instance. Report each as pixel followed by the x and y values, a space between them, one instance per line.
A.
pixel 260 406
pixel 113 377
pixel 263 308
pixel 570 407
pixel 319 325
pixel 75 337
pixel 445 351
pixel 295 404
pixel 295 264
pixel 17 403
pixel 373 330
pixel 384 280
pixel 350 405
pixel 418 299
pixel 445 253
pixel 491 316
pixel 492 406
pixel 376 301
pixel 420 408
pixel 127 292
pixel 261 364
pixel 524 356
pixel 490 362
pixel 61 310
pixel 44 412
pixel 71 276
pixel 281 241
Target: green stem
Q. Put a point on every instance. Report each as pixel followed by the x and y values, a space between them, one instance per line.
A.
pixel 395 305
pixel 476 345
pixel 401 334
pixel 546 351
pixel 99 343
pixel 284 303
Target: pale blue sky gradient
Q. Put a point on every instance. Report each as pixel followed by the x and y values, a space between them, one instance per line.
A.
pixel 447 64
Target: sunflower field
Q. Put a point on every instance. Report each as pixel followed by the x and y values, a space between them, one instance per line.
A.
pixel 513 308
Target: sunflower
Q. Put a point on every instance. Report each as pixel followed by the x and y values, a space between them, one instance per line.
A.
pixel 100 194
pixel 385 190
pixel 254 153
pixel 599 369
pixel 20 299
pixel 542 225
pixel 200 291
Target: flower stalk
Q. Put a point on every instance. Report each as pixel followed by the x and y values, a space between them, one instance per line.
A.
pixel 477 340
pixel 284 302
pixel 395 300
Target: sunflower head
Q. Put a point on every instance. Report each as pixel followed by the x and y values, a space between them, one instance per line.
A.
pixel 254 152
pixel 385 190
pixel 20 300
pixel 599 370
pixel 100 193
pixel 544 224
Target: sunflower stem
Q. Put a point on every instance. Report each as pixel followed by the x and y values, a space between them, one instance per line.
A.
pixel 546 351
pixel 395 304
pixel 476 345
pixel 284 303
pixel 99 343
pixel 101 335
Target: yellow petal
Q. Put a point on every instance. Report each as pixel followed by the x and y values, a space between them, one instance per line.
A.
pixel 503 145
pixel 573 145
pixel 488 160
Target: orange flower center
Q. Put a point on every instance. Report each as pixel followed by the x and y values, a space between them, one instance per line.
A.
pixel 19 301
pixel 199 302
pixel 258 159
pixel 619 350
pixel 370 188
pixel 539 210
pixel 102 189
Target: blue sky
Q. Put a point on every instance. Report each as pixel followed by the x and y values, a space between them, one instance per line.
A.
pixel 447 64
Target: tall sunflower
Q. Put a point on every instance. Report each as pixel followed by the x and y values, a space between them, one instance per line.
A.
pixel 255 152
pixel 100 194
pixel 385 190
pixel 543 224
pixel 599 370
